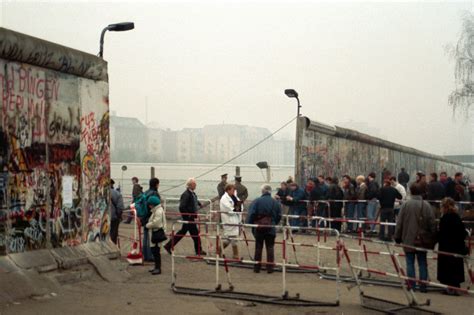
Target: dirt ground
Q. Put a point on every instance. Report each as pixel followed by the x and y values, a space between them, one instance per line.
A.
pixel 145 293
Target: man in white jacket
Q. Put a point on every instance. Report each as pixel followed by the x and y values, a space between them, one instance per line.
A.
pixel 231 213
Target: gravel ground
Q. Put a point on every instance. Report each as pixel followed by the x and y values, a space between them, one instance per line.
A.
pixel 145 293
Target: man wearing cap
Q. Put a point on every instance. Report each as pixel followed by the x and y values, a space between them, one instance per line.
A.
pixel 242 192
pixel 221 186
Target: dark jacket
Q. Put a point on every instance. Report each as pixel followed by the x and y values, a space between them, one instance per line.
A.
pixel 116 207
pixel 265 206
pixel 436 191
pixel 298 194
pixel 451 238
pixel 372 190
pixel 387 196
pixel 282 193
pixel 188 205
pixel 403 177
pixel 221 189
pixel 335 208
pixel 350 192
pixel 242 192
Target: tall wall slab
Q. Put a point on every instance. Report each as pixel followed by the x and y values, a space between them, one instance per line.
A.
pixel 54 145
pixel 336 151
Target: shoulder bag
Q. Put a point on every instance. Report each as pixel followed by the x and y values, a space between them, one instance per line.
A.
pixel 159 235
pixel 423 238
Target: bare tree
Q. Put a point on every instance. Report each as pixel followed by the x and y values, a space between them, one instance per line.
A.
pixel 461 99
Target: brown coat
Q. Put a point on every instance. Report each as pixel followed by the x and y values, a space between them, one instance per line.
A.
pixel 407 222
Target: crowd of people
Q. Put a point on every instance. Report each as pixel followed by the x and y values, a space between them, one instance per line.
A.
pixel 425 213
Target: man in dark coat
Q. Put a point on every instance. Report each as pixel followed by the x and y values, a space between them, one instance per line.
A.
pixel 372 204
pixel 297 206
pixel 221 186
pixel 436 192
pixel 242 192
pixel 188 207
pixel 264 209
pixel 387 196
pixel 335 208
pixel 403 178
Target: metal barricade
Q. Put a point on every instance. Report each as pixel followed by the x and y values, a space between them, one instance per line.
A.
pixel 400 275
pixel 230 293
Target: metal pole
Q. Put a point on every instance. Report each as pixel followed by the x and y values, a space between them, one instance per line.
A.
pixel 298 109
pixel 101 51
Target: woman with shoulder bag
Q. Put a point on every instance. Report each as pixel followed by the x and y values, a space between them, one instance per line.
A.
pixel 451 238
pixel 157 225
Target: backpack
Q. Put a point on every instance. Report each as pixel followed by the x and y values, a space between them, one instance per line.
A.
pixel 141 206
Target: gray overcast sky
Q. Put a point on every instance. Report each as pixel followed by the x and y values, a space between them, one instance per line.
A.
pixel 207 62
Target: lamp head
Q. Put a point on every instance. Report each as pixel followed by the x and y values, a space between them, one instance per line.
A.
pixel 121 27
pixel 291 93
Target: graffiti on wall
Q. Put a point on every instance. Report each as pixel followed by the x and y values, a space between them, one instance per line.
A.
pixel 95 163
pixel 42 131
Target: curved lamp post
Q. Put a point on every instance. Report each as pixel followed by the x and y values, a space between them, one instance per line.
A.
pixel 293 94
pixel 118 27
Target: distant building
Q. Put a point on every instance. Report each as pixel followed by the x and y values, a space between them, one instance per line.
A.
pixel 155 144
pixel 132 141
pixel 128 139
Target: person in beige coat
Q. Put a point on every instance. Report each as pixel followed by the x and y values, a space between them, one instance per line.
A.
pixel 156 221
pixel 416 226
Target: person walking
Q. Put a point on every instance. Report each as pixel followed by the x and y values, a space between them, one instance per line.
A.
pixel 188 206
pixel 387 196
pixel 297 206
pixel 372 204
pixel 264 211
pixel 231 213
pixel 242 192
pixel 116 209
pixel 221 186
pixel 403 178
pixel 435 193
pixel 451 238
pixel 416 227
pixel 156 222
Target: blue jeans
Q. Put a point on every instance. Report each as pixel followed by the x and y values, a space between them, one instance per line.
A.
pixel 350 212
pixel 422 266
pixel 372 212
pixel 146 249
pixel 361 210
pixel 301 222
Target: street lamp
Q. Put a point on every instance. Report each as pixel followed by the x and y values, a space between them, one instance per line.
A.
pixel 293 94
pixel 118 27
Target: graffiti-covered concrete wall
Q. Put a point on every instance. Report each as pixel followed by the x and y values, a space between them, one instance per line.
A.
pixel 336 151
pixel 54 137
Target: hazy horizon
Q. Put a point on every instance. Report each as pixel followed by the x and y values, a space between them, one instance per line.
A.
pixel 199 63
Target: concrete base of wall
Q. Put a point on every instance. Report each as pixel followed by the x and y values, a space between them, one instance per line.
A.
pixel 41 272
